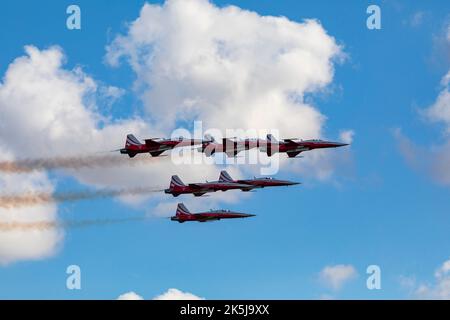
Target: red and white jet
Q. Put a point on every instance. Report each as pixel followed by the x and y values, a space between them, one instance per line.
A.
pixel 292 147
pixel 155 146
pixel 177 187
pixel 230 146
pixel 257 182
pixel 183 215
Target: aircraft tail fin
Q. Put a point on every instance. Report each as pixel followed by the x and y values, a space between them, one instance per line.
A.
pixel 131 141
pixel 225 177
pixel 176 182
pixel 181 209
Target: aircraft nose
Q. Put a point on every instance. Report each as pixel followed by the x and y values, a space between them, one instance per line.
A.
pixel 339 144
pixel 243 215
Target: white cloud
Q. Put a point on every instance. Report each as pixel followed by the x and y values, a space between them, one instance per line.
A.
pixel 130 296
pixel 228 67
pixel 409 151
pixel 175 294
pixel 346 136
pixel 28 244
pixel 48 111
pixel 439 111
pixel 44 113
pixel 433 160
pixel 171 294
pixel 440 289
pixel 111 94
pixel 336 276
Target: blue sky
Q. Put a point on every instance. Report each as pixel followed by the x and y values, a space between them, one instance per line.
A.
pixel 375 210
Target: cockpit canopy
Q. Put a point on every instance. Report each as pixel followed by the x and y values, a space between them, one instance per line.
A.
pixel 219 211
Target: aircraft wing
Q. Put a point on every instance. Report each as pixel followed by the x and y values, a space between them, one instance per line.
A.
pixel 203 217
pixel 250 188
pixel 293 154
pixel 156 153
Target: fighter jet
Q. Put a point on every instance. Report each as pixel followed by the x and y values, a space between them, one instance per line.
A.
pixel 230 146
pixel 155 146
pixel 183 215
pixel 257 182
pixel 177 187
pixel 292 147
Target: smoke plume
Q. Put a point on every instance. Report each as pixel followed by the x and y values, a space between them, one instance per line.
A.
pixel 44 225
pixel 34 198
pixel 75 163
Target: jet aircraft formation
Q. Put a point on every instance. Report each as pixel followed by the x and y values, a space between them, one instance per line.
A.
pixel 231 147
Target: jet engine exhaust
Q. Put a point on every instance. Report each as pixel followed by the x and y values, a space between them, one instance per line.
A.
pixel 35 198
pixel 75 163
pixel 64 224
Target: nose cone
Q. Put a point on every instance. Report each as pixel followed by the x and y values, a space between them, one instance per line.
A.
pixel 287 183
pixel 340 144
pixel 240 215
pixel 167 191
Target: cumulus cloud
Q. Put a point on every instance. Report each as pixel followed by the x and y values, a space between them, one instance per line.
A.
pixel 175 294
pixel 28 244
pixel 439 289
pixel 171 294
pixel 230 68
pixel 434 160
pixel 130 296
pixel 346 136
pixel 50 111
pixel 439 111
pixel 336 276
